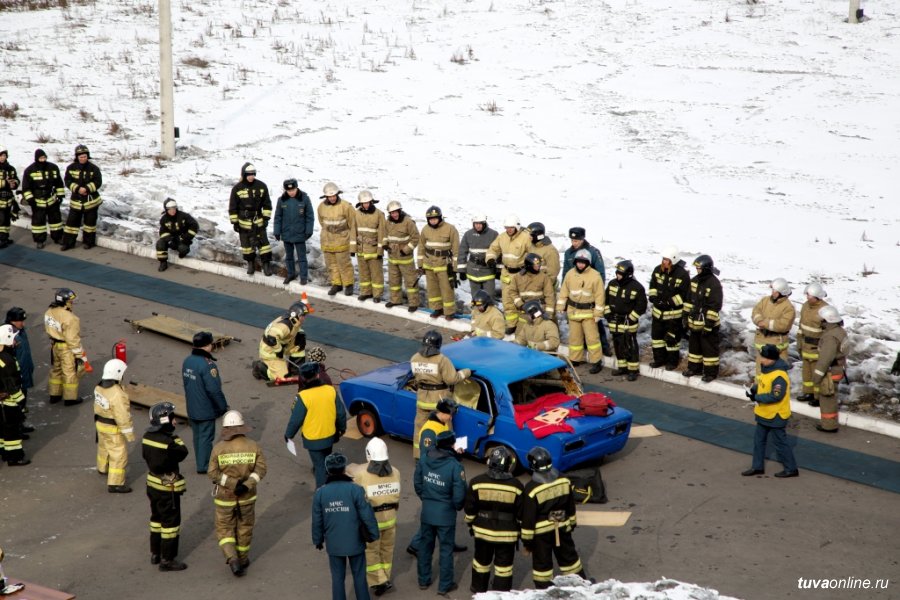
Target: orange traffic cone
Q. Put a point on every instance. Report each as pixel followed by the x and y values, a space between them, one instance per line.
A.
pixel 305 300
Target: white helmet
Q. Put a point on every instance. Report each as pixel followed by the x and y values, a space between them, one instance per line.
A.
pixel 479 218
pixel 7 335
pixel 816 290
pixel 365 196
pixel 376 450
pixel 780 285
pixel 233 419
pixel 170 203
pixel 670 252
pixel 829 314
pixel 114 369
pixel 331 189
pixel 394 205
pixel 511 221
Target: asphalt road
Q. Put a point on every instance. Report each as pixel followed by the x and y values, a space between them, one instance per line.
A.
pixel 694 518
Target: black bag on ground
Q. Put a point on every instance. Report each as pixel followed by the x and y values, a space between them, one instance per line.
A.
pixel 588 489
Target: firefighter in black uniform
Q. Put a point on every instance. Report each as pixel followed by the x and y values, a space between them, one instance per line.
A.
pixel 548 518
pixel 42 188
pixel 493 504
pixel 163 450
pixel 83 179
pixel 626 301
pixel 9 208
pixel 670 288
pixel 177 230
pixel 249 210
pixel 701 319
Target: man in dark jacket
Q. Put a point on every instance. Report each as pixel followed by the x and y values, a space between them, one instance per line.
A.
pixel 205 400
pixel 670 288
pixel 578 241
pixel 11 397
pixel 344 521
pixel 83 179
pixel 43 189
pixel 249 210
pixel 702 320
pixel 294 222
pixel 625 303
pixel 9 208
pixel 471 263
pixel 162 449
pixel 16 317
pixel 177 230
pixel 441 484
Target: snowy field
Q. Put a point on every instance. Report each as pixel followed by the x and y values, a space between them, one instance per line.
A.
pixel 575 588
pixel 762 134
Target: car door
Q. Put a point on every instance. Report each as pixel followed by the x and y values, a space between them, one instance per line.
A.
pixel 475 423
pixel 404 409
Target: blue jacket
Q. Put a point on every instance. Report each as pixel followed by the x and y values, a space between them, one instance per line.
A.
pixel 441 484
pixel 203 387
pixel 596 260
pixel 340 515
pixel 294 218
pixel 23 357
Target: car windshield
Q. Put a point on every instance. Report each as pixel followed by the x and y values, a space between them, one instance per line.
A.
pixel 551 382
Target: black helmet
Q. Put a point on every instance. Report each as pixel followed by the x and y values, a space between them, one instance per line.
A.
pixel 63 297
pixel 704 263
pixel 431 343
pixel 533 309
pixel 434 211
pixel 82 149
pixel 297 310
pixel 626 268
pixel 448 406
pixel 309 371
pixel 202 338
pixel 533 262
pixel 161 414
pixel 500 460
pixel 482 298
pixel 290 184
pixel 15 314
pixel 540 460
pixel 335 463
pixel 537 231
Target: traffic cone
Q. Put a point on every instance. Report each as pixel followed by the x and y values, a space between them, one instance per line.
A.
pixel 305 300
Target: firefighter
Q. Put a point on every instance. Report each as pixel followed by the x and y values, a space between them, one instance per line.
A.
pixel 508 252
pixel 249 210
pixel 438 245
pixel 293 226
pixel 83 179
pixel 531 283
pixel 578 242
pixel 772 394
pixel 9 208
pixel 16 317
pixel 381 482
pixel 282 348
pixel 370 241
pixel 236 467
pixel 543 247
pixel 493 505
pixel 203 393
pixel 487 320
pixel 67 355
pixel 162 449
pixel 809 331
pixel 670 287
pixel 43 189
pixel 471 263
pixel 434 375
pixel 401 240
pixel 11 398
pixel 701 319
pixel 112 418
pixel 548 518
pixel 177 230
pixel 834 346
pixel 626 301
pixel 337 220
pixel 319 415
pixel 536 331
pixel 581 301
pixel 440 482
pixel 774 316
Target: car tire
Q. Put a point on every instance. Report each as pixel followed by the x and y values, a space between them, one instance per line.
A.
pixel 367 423
pixel 518 469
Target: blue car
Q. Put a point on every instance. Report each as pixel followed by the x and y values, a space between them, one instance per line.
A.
pixel 506 376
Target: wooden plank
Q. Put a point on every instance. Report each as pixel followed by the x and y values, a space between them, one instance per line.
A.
pixel 643 431
pixel 33 591
pixel 178 329
pixel 352 432
pixel 147 396
pixel 602 518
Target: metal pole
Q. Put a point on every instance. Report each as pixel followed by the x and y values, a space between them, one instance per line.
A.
pixel 854 7
pixel 166 82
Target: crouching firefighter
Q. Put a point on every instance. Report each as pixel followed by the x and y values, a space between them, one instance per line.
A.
pixel 162 450
pixel 282 348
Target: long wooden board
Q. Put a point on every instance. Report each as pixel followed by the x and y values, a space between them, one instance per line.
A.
pixel 178 329
pixel 602 518
pixel 643 431
pixel 147 396
pixel 33 591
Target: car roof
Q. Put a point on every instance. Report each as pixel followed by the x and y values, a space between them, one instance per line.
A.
pixel 500 361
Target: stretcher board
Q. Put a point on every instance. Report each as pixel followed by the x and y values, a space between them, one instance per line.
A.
pixel 33 591
pixel 352 432
pixel 643 431
pixel 147 396
pixel 177 329
pixel 602 518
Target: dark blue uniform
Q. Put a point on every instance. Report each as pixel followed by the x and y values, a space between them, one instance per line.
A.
pixel 294 223
pixel 205 402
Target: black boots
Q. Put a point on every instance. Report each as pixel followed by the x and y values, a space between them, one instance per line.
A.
pixel 236 569
pixel 596 367
pixel 251 267
pixel 172 565
pixel 118 489
pixel 163 265
pixel 267 268
pixel 348 290
pixel 334 289
pixel 289 279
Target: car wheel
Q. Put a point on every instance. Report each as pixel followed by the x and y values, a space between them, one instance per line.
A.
pixel 517 469
pixel 367 423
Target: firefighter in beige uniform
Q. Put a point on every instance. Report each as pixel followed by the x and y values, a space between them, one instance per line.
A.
pixel 438 249
pixel 381 482
pixel 67 355
pixel 434 374
pixel 508 251
pixel 543 247
pixel 774 317
pixel 833 349
pixel 112 417
pixel 282 347
pixel 370 240
pixel 808 333
pixel 582 300
pixel 532 284
pixel 401 240
pixel 537 332
pixel 338 238
pixel 487 320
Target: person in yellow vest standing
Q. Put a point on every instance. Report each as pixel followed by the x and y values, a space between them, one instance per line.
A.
pixel 67 355
pixel 772 394
pixel 112 417
pixel 381 482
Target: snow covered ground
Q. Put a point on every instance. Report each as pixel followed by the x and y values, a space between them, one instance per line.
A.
pixel 575 588
pixel 762 134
